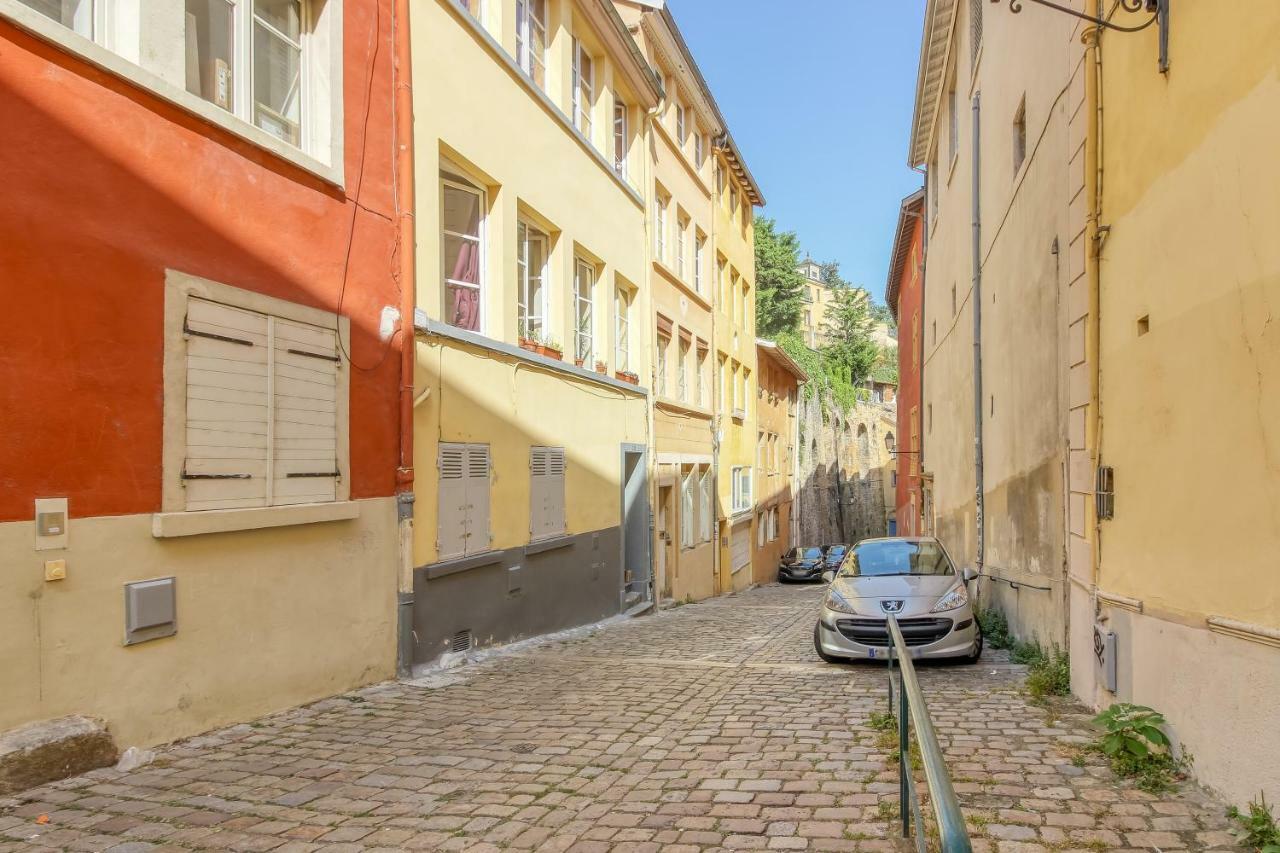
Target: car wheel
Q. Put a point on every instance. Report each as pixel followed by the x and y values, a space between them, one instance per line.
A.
pixel 817 647
pixel 781 579
pixel 977 649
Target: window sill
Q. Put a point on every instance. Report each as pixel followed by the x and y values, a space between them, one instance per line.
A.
pixel 456 565
pixel 116 65
pixel 539 546
pixel 739 415
pixel 671 276
pixel 669 404
pixel 170 525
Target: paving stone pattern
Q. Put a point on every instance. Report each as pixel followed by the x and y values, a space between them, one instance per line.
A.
pixel 707 727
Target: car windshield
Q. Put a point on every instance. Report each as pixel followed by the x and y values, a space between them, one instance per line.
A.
pixel 897 557
pixel 836 551
pixel 806 554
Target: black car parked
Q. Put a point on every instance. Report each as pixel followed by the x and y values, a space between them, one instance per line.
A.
pixel 801 564
pixel 833 556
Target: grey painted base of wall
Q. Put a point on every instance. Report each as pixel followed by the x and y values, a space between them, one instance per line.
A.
pixel 517 593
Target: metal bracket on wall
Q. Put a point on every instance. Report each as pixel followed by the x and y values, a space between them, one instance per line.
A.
pixel 1159 10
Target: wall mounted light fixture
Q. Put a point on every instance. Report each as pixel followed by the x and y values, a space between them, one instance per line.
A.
pixel 1159 10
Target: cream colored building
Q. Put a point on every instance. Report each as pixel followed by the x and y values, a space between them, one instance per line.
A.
pixel 532 493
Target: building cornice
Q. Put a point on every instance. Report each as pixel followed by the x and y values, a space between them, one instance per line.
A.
pixel 912 209
pixel 778 354
pixel 935 46
pixel 608 24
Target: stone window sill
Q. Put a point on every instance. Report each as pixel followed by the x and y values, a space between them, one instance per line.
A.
pixel 169 525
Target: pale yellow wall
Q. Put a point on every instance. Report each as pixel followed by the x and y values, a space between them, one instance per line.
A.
pixel 775 482
pixel 313 605
pixel 1023 214
pixel 1191 408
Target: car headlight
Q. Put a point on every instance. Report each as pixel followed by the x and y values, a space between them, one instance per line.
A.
pixel 837 602
pixel 957 596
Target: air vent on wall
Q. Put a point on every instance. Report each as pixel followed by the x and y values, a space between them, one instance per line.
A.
pixel 462 641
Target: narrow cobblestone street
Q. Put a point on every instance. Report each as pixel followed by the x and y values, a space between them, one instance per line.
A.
pixel 708 727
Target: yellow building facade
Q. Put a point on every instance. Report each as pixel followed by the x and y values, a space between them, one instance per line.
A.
pixel 777 440
pixel 532 431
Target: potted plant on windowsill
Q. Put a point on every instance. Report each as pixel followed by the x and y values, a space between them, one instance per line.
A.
pixel 602 368
pixel 528 340
pixel 628 376
pixel 551 348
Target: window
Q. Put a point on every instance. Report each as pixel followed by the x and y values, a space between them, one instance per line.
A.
pixel 737 387
pixel 932 178
pixel 682 226
pixel 584 95
pixel 746 387
pixel 621 330
pixel 762 527
pixel 660 226
pixel 546 492
pixel 733 202
pixel 682 370
pixel 931 418
pixel 699 252
pixel 1020 136
pixel 664 344
pixel 76 15
pixel 975 30
pixel 761 445
pixel 915 340
pixel 741 483
pixel 699 146
pixel 531 39
pixel 462 255
pixel 463 518
pixel 722 275
pixel 584 282
pixel 474 7
pixel 680 125
pixel 703 398
pixel 724 383
pixel 531 264
pixel 688 532
pixel 706 512
pixel 953 122
pixel 620 138
pixel 261 404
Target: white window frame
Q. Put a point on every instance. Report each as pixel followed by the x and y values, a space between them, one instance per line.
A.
pixel 681 125
pixel 175 519
pixel 583 85
pixel 664 343
pixel 701 355
pixel 699 150
pixel 584 310
pixel 706 514
pixel 621 138
pixel 526 24
pixel 740 479
pixel 688 510
pixel 621 329
pixel 120 47
pixel 481 240
pixel 699 257
pixel 682 368
pixel 660 227
pixel 682 225
pixel 527 234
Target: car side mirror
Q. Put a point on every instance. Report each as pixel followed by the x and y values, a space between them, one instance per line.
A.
pixel 970 574
pixel 828 577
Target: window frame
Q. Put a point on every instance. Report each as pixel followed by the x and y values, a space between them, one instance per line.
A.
pixel 699 258
pixel 582 118
pixel 683 350
pixel 660 365
pixel 621 137
pixel 660 204
pixel 526 233
pixel 622 329
pixel 587 356
pixel 458 182
pixel 526 58
pixel 179 289
pixel 682 226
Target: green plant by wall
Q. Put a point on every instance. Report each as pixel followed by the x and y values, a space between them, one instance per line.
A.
pixel 995 628
pixel 1258 828
pixel 1134 742
pixel 1049 673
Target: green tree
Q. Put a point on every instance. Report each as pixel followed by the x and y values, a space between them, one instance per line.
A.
pixel 778 284
pixel 848 324
pixel 830 274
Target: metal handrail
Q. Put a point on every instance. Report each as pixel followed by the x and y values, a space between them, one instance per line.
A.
pixel 912 710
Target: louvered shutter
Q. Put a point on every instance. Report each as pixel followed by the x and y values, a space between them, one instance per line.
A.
pixel 305 434
pixel 226 465
pixel 451 535
pixel 740 544
pixel 477 477
pixel 555 491
pixel 538 499
pixel 686 511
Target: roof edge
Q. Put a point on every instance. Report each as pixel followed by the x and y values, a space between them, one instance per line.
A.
pixel 781 355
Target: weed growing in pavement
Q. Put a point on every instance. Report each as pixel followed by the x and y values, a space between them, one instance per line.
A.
pixel 995 628
pixel 1137 747
pixel 1258 829
pixel 883 721
pixel 1049 673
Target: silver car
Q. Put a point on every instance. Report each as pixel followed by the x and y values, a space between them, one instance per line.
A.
pixel 911 578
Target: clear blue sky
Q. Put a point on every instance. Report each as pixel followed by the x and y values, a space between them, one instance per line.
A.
pixel 818 95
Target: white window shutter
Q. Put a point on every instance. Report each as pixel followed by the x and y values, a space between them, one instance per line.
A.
pixel 477 477
pixel 686 511
pixel 451 532
pixel 226 465
pixel 555 491
pixel 538 520
pixel 305 435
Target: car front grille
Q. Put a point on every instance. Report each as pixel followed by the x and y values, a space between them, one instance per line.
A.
pixel 875 632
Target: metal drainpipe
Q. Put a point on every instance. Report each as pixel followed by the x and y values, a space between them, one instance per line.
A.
pixel 977 334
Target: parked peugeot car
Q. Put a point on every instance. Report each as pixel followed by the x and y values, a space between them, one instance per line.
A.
pixel 833 556
pixel 914 580
pixel 801 564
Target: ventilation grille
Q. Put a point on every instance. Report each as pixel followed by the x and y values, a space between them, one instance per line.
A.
pixel 462 641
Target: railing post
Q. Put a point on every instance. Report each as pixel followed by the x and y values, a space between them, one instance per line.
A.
pixel 904 758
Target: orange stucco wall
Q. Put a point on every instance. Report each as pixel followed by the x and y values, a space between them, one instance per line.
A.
pixel 911 326
pixel 105 187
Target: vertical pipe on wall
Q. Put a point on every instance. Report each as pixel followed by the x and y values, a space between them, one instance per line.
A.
pixel 402 105
pixel 979 496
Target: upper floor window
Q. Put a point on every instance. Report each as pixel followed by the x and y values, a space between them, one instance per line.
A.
pixel 682 369
pixel 620 138
pixel 531 39
pixel 699 146
pixel 664 345
pixel 699 258
pixel 682 228
pixel 681 126
pixel 703 398
pixel 622 330
pixel 584 283
pixel 584 92
pixel 474 7
pixel 531 264
pixel 462 254
pixel 660 202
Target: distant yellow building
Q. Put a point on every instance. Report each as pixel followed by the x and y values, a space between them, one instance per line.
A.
pixel 777 440
pixel 816 299
pixel 531 429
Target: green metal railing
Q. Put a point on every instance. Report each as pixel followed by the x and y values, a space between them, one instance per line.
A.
pixel 912 712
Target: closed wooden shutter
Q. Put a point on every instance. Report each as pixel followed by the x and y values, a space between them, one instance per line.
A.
pixel 477 474
pixel 228 412
pixel 740 544
pixel 686 511
pixel 555 491
pixel 305 435
pixel 451 535
pixel 546 492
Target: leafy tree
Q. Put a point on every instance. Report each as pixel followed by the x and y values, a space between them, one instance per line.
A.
pixel 847 327
pixel 830 275
pixel 778 284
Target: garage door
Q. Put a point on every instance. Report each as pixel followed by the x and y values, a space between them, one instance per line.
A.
pixel 740 544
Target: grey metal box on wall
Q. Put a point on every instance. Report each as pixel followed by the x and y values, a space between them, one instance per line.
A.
pixel 150 610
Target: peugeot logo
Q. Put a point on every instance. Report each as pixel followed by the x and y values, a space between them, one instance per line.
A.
pixel 891 606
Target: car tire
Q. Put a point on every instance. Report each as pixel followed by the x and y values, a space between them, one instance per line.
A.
pixel 817 647
pixel 781 579
pixel 973 656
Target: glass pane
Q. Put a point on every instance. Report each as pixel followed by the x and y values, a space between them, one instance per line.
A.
pixel 277 81
pixel 76 15
pixel 283 15
pixel 210 41
pixel 461 259
pixel 464 307
pixel 461 211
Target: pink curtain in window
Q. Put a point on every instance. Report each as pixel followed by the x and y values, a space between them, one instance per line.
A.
pixel 466 300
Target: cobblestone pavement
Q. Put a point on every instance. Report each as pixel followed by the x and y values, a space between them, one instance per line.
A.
pixel 707 727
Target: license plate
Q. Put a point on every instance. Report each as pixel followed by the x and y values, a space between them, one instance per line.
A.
pixel 871 653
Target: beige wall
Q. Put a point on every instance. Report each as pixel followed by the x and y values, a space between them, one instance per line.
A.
pixel 1190 402
pixel 777 396
pixel 267 619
